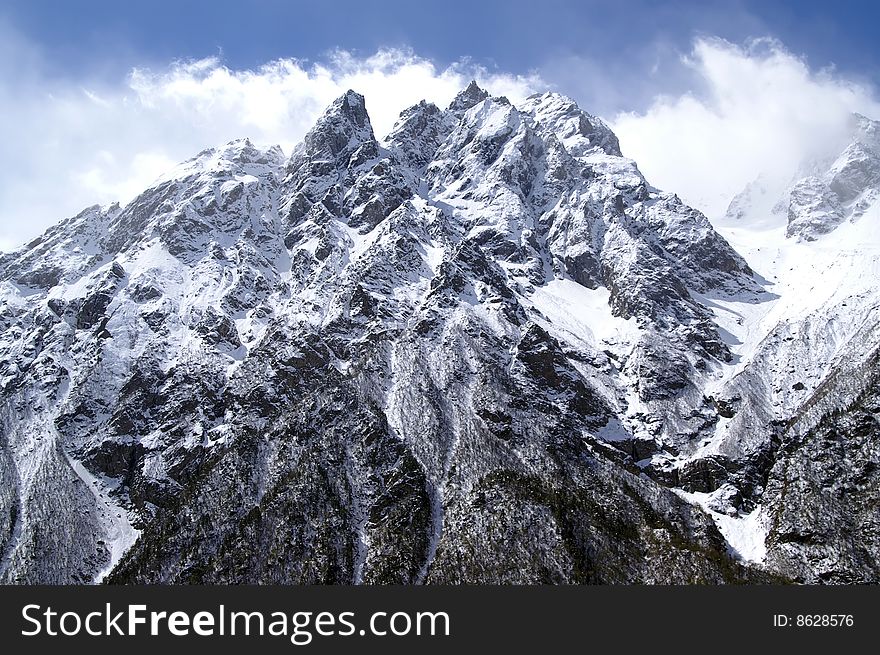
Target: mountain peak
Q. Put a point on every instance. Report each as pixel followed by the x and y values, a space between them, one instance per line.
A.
pixel 418 132
pixel 351 105
pixel 580 132
pixel 469 97
pixel 342 130
pixel 828 191
pixel 866 131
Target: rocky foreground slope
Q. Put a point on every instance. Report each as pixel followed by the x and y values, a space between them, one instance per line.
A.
pixel 482 350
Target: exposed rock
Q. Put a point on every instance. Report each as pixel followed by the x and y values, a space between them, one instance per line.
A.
pixel 480 354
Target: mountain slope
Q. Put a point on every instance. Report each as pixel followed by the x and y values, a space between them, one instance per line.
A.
pixel 797 440
pixel 483 349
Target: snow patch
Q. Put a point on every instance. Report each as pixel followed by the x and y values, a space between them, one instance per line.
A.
pixel 120 535
pixel 579 314
pixel 746 534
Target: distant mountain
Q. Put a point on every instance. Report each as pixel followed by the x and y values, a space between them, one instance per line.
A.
pixel 484 349
pixel 808 378
pixel 825 192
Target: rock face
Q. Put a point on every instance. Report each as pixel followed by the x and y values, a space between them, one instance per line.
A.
pixel 478 351
pixel 825 484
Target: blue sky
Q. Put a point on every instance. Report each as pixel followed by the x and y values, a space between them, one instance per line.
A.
pixel 99 98
pixel 634 37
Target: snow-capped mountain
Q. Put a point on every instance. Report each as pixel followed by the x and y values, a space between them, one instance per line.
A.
pixel 826 191
pixel 805 385
pixel 484 349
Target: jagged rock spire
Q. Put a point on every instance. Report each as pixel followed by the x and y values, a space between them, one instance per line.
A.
pixel 467 98
pixel 418 133
pixel 343 128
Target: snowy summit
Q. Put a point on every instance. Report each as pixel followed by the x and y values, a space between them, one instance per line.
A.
pixel 484 349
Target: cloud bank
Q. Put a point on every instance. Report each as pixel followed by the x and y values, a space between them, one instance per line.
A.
pixel 67 146
pixel 732 112
pixel 755 109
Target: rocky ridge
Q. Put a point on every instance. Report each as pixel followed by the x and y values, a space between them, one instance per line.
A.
pixel 484 349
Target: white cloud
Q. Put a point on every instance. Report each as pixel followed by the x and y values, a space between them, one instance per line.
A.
pixel 761 109
pixel 66 146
